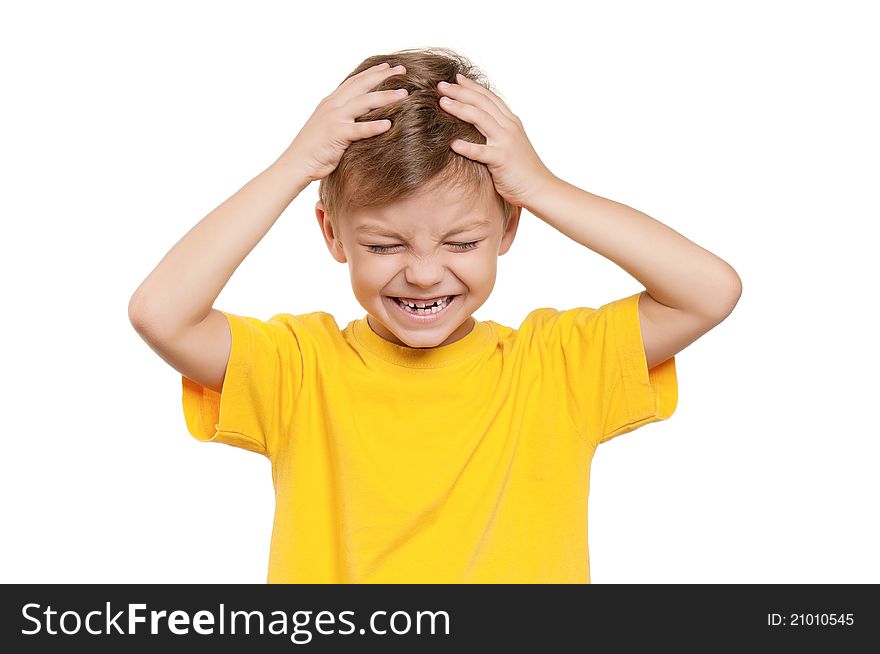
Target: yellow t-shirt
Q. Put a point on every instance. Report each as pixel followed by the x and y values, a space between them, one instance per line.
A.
pixel 467 463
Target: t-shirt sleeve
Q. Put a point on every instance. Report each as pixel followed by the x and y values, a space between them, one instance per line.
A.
pixel 263 378
pixel 599 356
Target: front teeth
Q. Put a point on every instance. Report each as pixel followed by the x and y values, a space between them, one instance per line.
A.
pixel 440 305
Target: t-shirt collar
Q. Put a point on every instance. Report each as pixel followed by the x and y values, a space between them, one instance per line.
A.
pixel 464 349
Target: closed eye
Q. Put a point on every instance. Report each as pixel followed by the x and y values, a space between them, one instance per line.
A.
pixel 380 249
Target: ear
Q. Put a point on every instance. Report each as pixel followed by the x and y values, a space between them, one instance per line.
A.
pixel 510 232
pixel 331 236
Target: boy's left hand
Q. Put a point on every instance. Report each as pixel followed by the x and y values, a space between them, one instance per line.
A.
pixel 517 171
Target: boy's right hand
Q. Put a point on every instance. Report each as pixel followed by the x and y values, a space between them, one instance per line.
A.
pixel 319 146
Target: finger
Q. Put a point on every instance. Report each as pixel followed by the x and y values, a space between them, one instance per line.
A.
pixel 474 98
pixel 366 80
pixel 468 83
pixel 361 104
pixel 474 151
pixel 479 118
pixel 366 129
pixel 367 72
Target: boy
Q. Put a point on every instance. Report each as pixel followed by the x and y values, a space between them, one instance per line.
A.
pixel 419 444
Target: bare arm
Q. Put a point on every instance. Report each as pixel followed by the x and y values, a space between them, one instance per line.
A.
pixel 172 309
pixel 180 292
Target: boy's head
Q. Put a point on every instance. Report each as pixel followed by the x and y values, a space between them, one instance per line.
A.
pixel 393 206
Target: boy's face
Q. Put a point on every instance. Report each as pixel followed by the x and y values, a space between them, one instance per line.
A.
pixel 422 256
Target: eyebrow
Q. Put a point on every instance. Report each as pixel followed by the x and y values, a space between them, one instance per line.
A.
pixel 381 231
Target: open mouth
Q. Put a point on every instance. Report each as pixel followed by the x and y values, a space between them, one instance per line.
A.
pixel 427 312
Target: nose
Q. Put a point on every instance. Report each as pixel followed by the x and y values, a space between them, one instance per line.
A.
pixel 425 272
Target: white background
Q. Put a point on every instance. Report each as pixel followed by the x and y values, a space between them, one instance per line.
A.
pixel 749 127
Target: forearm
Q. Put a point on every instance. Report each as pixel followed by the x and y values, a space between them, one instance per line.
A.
pixel 181 290
pixel 674 270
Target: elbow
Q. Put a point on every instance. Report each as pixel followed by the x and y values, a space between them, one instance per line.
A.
pixel 736 287
pixel 136 311
pixel 731 294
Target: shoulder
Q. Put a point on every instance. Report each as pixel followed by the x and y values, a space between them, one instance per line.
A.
pixel 314 321
pixel 542 325
pixel 316 329
pixel 549 318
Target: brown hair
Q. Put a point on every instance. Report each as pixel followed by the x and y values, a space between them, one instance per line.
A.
pixel 414 153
